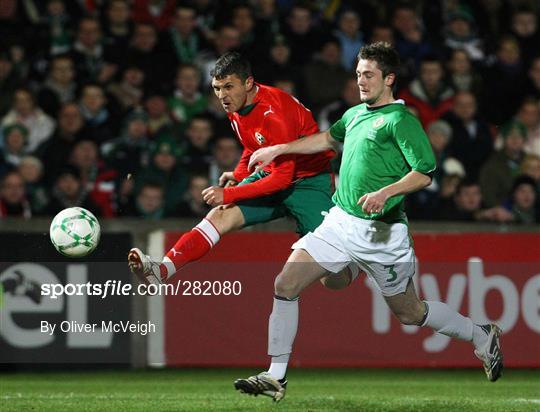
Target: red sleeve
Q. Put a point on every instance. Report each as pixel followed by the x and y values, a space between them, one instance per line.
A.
pixel 280 178
pixel 241 170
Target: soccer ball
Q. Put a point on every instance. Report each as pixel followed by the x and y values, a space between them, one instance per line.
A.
pixel 75 232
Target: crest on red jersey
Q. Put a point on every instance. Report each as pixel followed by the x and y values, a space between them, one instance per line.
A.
pixel 260 138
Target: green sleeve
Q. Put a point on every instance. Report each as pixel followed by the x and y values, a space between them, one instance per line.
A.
pixel 337 130
pixel 414 144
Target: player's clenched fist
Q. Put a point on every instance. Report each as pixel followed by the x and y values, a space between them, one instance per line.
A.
pixel 213 195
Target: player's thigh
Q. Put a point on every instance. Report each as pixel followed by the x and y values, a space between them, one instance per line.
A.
pixel 385 253
pixel 263 209
pixel 300 271
pixel 309 201
pixel 226 218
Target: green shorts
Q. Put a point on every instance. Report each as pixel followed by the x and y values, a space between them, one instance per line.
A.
pixel 304 201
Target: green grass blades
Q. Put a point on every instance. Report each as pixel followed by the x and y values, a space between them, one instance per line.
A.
pixel 308 390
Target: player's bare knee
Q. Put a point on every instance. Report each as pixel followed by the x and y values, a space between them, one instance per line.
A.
pixel 286 286
pixel 224 219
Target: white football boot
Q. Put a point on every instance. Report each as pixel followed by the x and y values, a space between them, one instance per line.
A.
pixel 142 266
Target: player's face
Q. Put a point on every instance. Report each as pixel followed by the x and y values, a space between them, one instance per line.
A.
pixel 374 88
pixel 232 92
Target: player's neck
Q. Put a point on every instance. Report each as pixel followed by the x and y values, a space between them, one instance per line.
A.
pixel 251 95
pixel 382 101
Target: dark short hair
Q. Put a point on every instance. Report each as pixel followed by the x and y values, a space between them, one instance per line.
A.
pixel 384 54
pixel 231 63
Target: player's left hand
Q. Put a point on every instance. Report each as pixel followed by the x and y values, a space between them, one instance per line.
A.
pixel 373 202
pixel 213 195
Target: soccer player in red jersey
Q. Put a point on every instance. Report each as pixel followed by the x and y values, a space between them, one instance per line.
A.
pixel 300 186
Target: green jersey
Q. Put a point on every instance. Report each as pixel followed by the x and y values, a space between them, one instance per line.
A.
pixel 381 145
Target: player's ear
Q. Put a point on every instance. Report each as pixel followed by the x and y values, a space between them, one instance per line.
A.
pixel 249 83
pixel 390 79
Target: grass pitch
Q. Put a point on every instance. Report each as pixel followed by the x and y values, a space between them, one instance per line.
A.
pixel 309 390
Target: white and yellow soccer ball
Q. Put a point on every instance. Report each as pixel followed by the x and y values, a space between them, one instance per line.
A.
pixel 75 232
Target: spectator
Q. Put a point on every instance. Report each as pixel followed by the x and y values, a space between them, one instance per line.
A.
pixel 242 19
pixel 301 37
pixel 532 87
pixel 529 115
pixel 524 28
pixel 460 33
pixel 13 201
pixel 24 111
pixel 507 73
pixel 226 153
pixel 429 93
pixel 463 76
pixel 530 166
pixel 278 64
pixel 31 170
pixel 227 39
pixel 183 39
pixel 410 41
pixel 382 32
pixel 165 170
pixel 14 147
pixel 159 120
pixel 424 203
pixel 128 153
pixel 99 121
pixel 117 29
pixel 523 201
pixel 59 86
pixel 143 53
pixel 55 151
pixel 198 154
pixel 472 142
pixel 194 205
pixel 129 91
pixel 332 112
pixel 187 101
pixel 350 37
pixel 149 202
pixel 326 66
pixel 467 206
pixel 498 173
pixel 70 191
pixel 55 30
pixel 95 177
pixel 9 82
pixel 89 55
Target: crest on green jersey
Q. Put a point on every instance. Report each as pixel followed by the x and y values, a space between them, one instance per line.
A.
pixel 260 138
pixel 378 122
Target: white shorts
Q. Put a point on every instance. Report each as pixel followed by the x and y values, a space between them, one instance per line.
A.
pixel 382 250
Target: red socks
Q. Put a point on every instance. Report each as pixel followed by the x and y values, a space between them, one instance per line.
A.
pixel 190 247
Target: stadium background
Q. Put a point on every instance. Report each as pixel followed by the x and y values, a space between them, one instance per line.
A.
pixel 91 91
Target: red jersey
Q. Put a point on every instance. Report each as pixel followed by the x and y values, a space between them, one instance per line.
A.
pixel 275 117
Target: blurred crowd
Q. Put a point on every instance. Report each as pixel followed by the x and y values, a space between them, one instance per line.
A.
pixel 107 104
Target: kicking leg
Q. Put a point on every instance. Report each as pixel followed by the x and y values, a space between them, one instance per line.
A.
pixel 410 310
pixel 299 272
pixel 192 246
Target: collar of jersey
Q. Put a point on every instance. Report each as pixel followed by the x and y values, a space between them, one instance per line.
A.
pixel 398 101
pixel 244 111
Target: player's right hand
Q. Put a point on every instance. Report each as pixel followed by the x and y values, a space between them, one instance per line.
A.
pixel 227 179
pixel 263 157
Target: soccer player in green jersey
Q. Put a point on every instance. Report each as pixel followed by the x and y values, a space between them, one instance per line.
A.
pixel 386 155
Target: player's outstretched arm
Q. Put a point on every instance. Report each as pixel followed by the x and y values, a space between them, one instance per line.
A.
pixel 314 143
